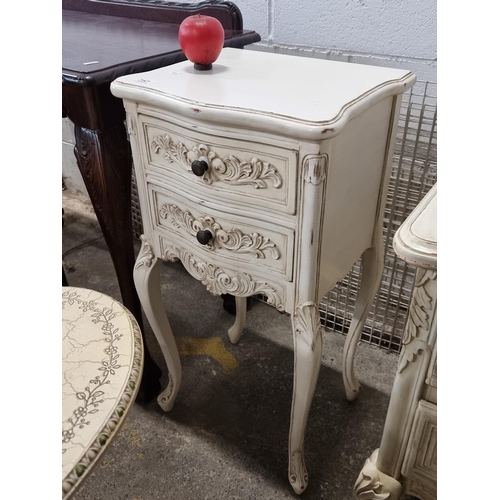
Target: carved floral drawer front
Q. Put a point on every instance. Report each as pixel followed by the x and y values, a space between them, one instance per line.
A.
pixel 257 246
pixel 248 173
pixel 222 278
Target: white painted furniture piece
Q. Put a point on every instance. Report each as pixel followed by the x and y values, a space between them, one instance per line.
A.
pixel 406 461
pixel 102 360
pixel 265 175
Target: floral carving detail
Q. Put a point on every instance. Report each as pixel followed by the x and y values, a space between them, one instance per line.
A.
pixel 420 307
pixel 171 151
pixel 307 323
pixel 297 473
pixel 315 169
pixel 375 485
pixel 253 172
pixel 230 169
pixel 219 281
pixel 91 398
pixel 418 324
pixel 369 488
pixel 146 255
pixel 233 240
pixel 166 395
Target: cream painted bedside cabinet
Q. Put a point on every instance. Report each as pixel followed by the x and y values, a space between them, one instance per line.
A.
pixel 265 175
pixel 406 461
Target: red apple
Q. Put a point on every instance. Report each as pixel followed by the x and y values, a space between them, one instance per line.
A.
pixel 201 39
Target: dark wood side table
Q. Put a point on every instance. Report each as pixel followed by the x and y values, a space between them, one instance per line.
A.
pixel 101 41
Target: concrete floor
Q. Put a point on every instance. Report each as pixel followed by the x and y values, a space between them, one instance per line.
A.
pixel 227 436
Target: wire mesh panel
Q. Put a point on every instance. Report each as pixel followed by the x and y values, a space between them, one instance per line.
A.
pixel 414 172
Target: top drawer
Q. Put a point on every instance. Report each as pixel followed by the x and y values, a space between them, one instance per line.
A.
pixel 241 171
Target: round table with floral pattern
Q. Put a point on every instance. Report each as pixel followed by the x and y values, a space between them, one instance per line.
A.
pixel 102 361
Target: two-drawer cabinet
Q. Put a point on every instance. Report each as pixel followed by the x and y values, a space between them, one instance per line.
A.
pixel 265 175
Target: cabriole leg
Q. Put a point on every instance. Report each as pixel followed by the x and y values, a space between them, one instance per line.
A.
pixel 147 282
pixel 372 268
pixel 239 323
pixel 307 346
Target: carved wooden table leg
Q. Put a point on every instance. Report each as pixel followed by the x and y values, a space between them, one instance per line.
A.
pixel 147 281
pixel 241 313
pixel 381 474
pixel 412 370
pixel 372 269
pixel 308 345
pixel 105 162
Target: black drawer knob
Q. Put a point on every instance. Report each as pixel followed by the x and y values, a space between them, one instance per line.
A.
pixel 204 237
pixel 199 167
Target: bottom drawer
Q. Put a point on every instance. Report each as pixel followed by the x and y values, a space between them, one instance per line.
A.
pixel 420 463
pixel 224 279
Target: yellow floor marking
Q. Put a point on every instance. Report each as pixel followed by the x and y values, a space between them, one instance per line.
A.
pixel 212 347
pixel 136 440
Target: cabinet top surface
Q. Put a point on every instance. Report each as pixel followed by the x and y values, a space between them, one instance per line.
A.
pixel 309 92
pixel 416 239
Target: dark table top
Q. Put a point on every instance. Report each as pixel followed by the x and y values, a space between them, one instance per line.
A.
pixel 98 48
